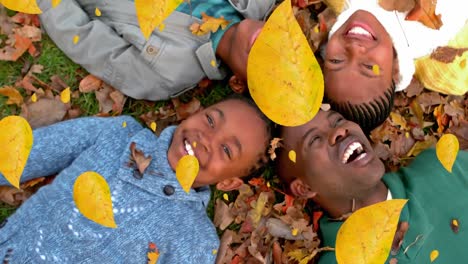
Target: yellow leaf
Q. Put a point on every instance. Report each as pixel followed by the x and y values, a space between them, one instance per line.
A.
pixel 97 12
pixel 434 255
pixel 294 231
pixel 14 97
pixel 447 150
pixel 376 69
pixel 214 251
pixel 153 126
pixel 55 3
pixel 226 197
pixel 151 13
pixel 398 120
pixel 16 140
pixel 455 222
pixel 65 95
pixel 186 171
pixel 284 78
pixel 124 124
pixel 367 235
pixel 213 63
pixel 76 38
pixel 91 194
pixel 257 212
pixel 446 78
pixel 153 257
pixel 292 155
pixel 194 144
pixel 210 24
pixel 25 6
pixel 34 98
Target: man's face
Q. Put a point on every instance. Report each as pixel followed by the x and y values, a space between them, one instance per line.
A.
pixel 227 139
pixel 333 157
pixel 351 52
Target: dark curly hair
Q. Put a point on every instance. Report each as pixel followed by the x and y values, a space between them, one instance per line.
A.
pixel 368 115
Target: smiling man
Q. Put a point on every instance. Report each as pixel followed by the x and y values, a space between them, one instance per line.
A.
pixel 337 168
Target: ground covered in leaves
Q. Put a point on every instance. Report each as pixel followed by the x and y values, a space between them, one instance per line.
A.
pixel 257 223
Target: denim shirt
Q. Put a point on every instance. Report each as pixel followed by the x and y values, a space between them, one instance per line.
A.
pixel 148 208
pixel 112 47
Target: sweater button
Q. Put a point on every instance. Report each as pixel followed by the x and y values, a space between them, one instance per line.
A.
pixel 152 50
pixel 168 190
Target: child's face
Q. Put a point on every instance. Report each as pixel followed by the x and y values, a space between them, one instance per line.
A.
pixel 333 156
pixel 229 138
pixel 351 52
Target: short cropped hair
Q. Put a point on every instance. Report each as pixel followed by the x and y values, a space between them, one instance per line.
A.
pixel 368 115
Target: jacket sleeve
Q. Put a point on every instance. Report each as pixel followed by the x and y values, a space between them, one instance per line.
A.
pixel 56 146
pixel 100 49
pixel 253 9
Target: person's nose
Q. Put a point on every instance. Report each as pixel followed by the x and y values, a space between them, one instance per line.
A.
pixel 205 140
pixel 337 134
pixel 355 48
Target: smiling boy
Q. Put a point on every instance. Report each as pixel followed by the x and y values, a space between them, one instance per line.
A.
pixel 337 168
pixel 229 139
pixel 369 56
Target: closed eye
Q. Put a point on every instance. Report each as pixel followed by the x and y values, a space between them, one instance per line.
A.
pixel 313 139
pixel 227 151
pixel 368 66
pixel 338 121
pixel 335 61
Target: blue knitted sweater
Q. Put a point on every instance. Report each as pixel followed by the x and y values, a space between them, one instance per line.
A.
pixel 48 228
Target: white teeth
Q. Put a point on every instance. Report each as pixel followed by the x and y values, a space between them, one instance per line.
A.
pixel 188 148
pixel 359 31
pixel 350 149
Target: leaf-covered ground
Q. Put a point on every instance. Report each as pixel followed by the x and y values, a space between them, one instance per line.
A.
pixel 257 223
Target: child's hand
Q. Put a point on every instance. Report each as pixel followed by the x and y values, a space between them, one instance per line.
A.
pixel 234 47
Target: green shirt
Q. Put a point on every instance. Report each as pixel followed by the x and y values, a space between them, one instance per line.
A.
pixel 435 197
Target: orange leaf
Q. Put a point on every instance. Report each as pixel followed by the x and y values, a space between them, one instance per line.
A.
pixel 210 24
pixel 424 12
pixel 14 97
pixel 22 44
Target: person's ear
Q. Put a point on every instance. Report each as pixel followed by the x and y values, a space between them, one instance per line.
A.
pixel 300 189
pixel 237 85
pixel 229 184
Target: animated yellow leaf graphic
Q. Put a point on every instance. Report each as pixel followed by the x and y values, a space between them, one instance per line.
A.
pixel 55 3
pixel 153 126
pixel 376 69
pixel 25 6
pixel 92 197
pixel 151 13
pixel 76 38
pixel 446 150
pixel 97 12
pixel 16 140
pixel 447 77
pixel 153 253
pixel 292 155
pixel 367 235
pixel 434 254
pixel 34 98
pixel 186 171
pixel 284 78
pixel 65 95
pixel 210 24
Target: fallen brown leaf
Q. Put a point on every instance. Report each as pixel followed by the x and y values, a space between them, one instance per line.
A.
pixel 90 83
pixel 14 97
pixel 141 161
pixel 185 110
pixel 44 112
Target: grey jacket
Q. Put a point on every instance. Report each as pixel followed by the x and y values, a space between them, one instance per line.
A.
pixel 112 47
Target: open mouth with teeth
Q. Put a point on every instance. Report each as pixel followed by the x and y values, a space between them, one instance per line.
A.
pixel 360 32
pixel 354 151
pixel 188 148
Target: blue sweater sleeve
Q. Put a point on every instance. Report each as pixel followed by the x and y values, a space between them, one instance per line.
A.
pixel 214 8
pixel 56 146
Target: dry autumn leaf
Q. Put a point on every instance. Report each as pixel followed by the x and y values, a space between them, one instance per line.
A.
pixel 446 150
pixel 14 97
pixel 336 5
pixel 153 253
pixel 284 78
pixel 398 5
pixel 446 72
pixel 16 139
pixel 186 171
pixel 210 24
pixel 424 12
pixel 90 83
pixel 24 6
pixel 367 235
pixel 138 156
pixel 151 13
pixel 92 197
